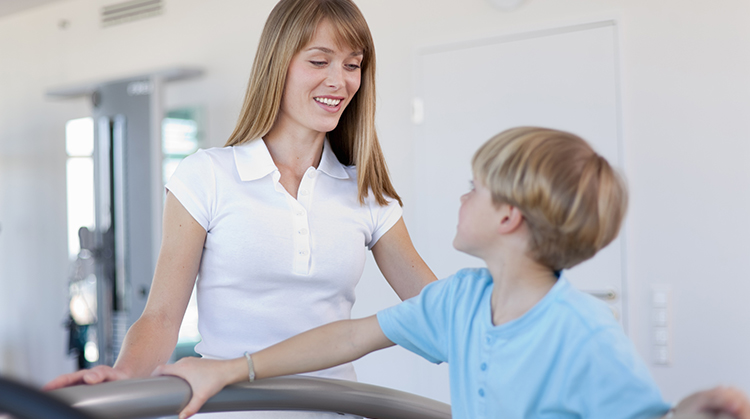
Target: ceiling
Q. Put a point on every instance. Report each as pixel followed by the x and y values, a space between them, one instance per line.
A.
pixel 9 7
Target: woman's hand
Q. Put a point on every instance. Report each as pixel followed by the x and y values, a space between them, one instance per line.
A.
pixel 96 375
pixel 206 378
pixel 726 400
pixel 152 338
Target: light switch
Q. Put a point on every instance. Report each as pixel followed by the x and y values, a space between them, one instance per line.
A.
pixel 660 317
pixel 661 336
pixel 661 324
pixel 662 355
pixel 660 298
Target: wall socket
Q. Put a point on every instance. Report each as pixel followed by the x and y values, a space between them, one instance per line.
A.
pixel 661 324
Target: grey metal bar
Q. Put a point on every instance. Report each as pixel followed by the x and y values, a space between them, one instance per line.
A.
pixel 145 398
pixel 161 396
pixel 86 89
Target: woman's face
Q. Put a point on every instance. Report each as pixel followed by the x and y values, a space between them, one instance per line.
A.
pixel 321 81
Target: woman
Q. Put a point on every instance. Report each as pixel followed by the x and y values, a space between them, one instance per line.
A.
pixel 277 222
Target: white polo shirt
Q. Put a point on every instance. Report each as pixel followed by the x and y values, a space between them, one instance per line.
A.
pixel 274 266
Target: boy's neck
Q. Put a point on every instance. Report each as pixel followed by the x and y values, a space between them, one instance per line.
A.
pixel 519 283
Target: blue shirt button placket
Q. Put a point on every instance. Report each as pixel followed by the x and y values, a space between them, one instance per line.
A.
pixel 487 353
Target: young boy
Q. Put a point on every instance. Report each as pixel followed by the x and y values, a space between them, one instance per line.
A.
pixel 520 340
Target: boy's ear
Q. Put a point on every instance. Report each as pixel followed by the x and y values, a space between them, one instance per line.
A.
pixel 511 219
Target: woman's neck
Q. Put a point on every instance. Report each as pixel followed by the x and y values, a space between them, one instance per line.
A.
pixel 295 150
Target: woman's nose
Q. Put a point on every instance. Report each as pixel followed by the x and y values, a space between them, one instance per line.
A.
pixel 335 77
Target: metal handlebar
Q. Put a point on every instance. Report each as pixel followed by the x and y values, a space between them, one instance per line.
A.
pixel 160 396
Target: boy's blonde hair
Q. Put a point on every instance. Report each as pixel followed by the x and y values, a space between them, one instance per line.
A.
pixel 572 199
pixel 290 26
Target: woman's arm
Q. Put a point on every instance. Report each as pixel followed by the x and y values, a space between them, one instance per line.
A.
pixel 152 338
pixel 726 400
pixel 400 263
pixel 324 347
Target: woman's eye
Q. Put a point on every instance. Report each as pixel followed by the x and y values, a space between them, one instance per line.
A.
pixel 353 67
pixel 318 63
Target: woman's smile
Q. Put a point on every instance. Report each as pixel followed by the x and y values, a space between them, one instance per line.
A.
pixel 322 79
pixel 330 103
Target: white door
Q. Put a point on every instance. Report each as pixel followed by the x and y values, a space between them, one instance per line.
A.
pixel 564 78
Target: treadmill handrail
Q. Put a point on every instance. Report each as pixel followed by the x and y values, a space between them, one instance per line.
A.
pixel 167 395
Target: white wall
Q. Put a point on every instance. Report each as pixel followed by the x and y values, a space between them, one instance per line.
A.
pixel 685 106
pixel 687 97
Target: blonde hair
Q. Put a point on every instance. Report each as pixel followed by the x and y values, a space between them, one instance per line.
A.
pixel 290 26
pixel 572 199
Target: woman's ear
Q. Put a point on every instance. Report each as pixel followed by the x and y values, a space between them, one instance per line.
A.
pixel 511 219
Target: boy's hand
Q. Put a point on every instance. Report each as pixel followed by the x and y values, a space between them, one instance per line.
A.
pixel 206 378
pixel 726 400
pixel 96 375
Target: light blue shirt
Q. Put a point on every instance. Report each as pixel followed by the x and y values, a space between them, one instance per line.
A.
pixel 567 357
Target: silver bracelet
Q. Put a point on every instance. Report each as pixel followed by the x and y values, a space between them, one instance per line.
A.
pixel 250 367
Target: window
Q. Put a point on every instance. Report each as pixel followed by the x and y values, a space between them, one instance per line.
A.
pixel 180 138
pixel 79 144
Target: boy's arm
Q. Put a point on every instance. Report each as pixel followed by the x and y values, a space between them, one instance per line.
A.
pixel 324 347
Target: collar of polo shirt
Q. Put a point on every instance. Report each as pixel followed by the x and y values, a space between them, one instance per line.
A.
pixel 254 161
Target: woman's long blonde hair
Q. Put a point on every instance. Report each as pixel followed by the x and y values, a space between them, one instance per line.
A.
pixel 290 26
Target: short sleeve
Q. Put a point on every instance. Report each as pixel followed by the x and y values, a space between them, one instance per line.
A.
pixel 422 324
pixel 607 379
pixel 383 217
pixel 193 184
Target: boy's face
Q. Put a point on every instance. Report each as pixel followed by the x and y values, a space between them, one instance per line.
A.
pixel 477 219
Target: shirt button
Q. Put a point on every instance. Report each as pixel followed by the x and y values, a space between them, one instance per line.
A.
pixel 481 392
pixel 303 231
pixel 303 252
pixel 311 174
pixel 304 192
pixel 488 340
pixel 300 213
pixel 483 367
